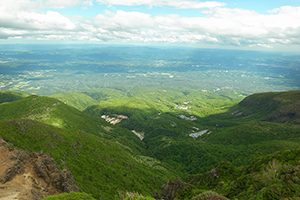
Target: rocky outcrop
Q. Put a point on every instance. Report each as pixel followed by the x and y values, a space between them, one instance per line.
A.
pixel 31 176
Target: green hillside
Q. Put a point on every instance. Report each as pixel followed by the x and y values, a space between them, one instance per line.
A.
pixel 100 167
pixel 281 107
pixel 155 110
pixel 9 96
pixel 77 100
pixel 53 112
pixel 197 102
pixel 237 134
pixel 194 156
pixel 230 136
pixel 106 93
pixel 56 113
pixel 133 107
pixel 192 131
pixel 270 177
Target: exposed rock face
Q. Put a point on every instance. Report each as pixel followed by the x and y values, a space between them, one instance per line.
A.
pixel 31 176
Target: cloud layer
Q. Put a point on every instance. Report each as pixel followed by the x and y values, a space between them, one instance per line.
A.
pixel 179 4
pixel 28 20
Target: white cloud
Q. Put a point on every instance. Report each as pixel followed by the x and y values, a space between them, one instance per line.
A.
pixel 87 3
pixel 28 5
pixel 220 25
pixel 123 21
pixel 261 45
pixel 37 21
pixel 24 19
pixel 237 27
pixel 26 15
pixel 194 5
pixel 179 4
pixel 49 20
pixel 127 2
pixel 59 3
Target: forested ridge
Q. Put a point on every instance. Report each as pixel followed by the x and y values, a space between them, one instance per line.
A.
pixel 224 159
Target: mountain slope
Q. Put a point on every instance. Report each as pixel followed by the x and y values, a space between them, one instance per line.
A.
pixel 77 100
pixel 53 112
pixel 100 167
pixel 246 131
pixel 281 107
pixel 9 96
pixel 238 136
pixel 106 93
pixel 270 177
pixel 56 113
pixel 136 109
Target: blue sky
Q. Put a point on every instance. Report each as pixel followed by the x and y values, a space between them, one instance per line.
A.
pixel 243 24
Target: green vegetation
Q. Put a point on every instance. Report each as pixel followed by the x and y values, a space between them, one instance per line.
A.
pixel 9 96
pixel 84 196
pixel 272 106
pixel 100 167
pixel 133 107
pixel 53 112
pixel 106 158
pixel 76 100
pixel 133 196
pixel 56 113
pixel 209 195
pixel 106 93
pixel 230 136
pixel 70 196
pixel 271 177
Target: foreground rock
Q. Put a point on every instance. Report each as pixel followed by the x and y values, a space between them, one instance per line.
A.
pixel 31 176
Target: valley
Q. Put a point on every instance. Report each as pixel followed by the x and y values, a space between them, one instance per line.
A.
pixel 130 119
pixel 46 70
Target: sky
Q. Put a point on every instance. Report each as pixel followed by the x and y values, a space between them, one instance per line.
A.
pixel 229 24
